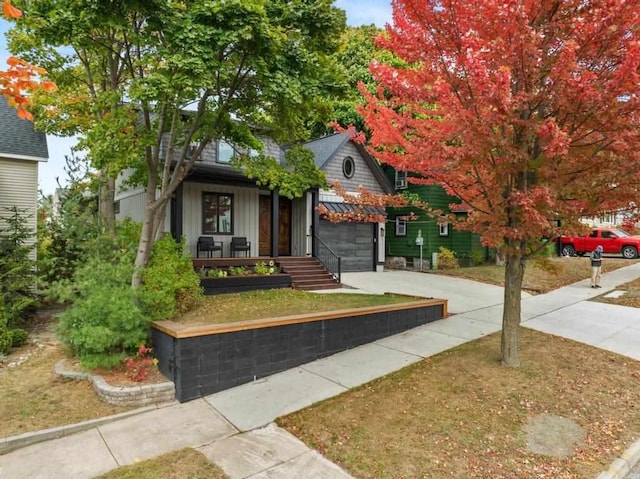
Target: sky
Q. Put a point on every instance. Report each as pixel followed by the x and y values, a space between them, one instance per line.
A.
pixel 359 12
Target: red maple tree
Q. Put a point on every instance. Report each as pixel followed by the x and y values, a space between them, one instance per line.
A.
pixel 21 76
pixel 526 110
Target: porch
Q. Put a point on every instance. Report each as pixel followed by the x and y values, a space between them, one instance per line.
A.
pixel 306 273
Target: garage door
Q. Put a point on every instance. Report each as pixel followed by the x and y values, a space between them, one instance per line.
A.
pixel 353 242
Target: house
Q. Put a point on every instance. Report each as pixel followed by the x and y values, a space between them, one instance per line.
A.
pixel 403 248
pixel 22 149
pixel 219 201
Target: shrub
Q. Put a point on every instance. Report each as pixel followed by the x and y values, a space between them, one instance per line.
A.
pixel 105 322
pixel 6 339
pixel 18 337
pixel 447 259
pixel 237 270
pixel 170 284
pixel 17 269
pixel 265 268
pixel 139 366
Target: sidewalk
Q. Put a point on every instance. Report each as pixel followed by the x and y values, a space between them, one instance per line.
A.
pixel 235 429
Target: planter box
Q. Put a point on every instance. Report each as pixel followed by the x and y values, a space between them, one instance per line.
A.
pixel 202 360
pixel 236 284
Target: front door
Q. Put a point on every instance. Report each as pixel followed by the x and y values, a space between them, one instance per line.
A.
pixel 284 231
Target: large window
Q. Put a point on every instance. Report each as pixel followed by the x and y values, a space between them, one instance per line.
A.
pixel 217 213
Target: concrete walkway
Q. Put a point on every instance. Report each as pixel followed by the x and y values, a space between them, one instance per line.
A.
pixel 235 429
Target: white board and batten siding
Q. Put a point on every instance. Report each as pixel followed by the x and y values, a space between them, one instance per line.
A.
pixel 245 215
pixel 19 188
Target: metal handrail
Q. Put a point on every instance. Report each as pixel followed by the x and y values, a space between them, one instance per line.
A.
pixel 328 258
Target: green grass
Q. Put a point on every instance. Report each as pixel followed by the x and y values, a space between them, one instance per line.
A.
pixel 262 304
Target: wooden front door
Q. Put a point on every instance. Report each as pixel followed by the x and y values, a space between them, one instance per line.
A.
pixel 284 230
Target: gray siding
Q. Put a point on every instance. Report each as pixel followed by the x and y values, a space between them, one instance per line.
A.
pixel 19 187
pixel 210 152
pixel 362 175
pixel 245 215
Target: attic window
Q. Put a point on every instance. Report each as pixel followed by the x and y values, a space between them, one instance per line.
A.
pixel 348 167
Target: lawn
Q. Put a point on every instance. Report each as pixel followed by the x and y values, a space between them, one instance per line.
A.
pixel 271 303
pixel 183 464
pixel 541 276
pixel 631 296
pixel 461 414
pixel 33 397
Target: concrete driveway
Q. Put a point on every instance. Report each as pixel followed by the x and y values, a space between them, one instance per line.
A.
pixel 463 295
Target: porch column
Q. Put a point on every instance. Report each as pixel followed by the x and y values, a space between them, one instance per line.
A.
pixel 275 223
pixel 176 213
pixel 315 220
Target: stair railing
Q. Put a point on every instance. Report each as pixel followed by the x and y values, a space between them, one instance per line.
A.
pixel 328 258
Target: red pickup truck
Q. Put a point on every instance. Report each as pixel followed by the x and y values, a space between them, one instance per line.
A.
pixel 612 240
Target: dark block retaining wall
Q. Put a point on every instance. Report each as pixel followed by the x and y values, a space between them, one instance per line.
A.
pixel 237 284
pixel 203 361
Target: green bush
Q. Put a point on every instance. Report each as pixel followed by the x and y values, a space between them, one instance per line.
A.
pixel 17 269
pixel 18 337
pixel 105 323
pixel 447 259
pixel 170 285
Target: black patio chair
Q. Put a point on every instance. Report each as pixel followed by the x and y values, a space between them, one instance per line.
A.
pixel 240 243
pixel 208 245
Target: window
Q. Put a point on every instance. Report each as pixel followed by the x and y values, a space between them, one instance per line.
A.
pixel 401 180
pixel 443 229
pixel 217 213
pixel 348 167
pixel 401 227
pixel 116 207
pixel 225 152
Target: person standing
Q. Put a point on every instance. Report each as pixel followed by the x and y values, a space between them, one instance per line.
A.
pixel 596 266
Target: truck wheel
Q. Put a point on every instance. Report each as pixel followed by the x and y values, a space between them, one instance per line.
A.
pixel 629 252
pixel 568 250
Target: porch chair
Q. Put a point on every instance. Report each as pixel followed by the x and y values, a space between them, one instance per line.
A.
pixel 240 243
pixel 208 245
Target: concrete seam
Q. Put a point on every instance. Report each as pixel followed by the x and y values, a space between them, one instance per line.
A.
pixel 107 446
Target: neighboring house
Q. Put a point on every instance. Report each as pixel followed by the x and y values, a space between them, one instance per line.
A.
pixel 21 150
pixel 219 201
pixel 402 233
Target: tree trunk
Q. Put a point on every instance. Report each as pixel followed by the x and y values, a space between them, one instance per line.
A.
pixel 146 237
pixel 514 272
pixel 107 211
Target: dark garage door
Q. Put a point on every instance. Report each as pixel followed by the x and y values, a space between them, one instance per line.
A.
pixel 353 242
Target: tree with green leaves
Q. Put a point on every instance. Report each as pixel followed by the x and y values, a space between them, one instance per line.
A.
pixel 146 81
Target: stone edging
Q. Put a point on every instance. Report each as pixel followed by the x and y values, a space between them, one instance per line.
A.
pixel 142 395
pixel 621 466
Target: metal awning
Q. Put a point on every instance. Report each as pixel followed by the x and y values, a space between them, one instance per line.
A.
pixel 334 207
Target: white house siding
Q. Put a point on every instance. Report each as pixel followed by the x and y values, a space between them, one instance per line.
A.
pixel 245 215
pixel 300 223
pixel 19 187
pixel 362 176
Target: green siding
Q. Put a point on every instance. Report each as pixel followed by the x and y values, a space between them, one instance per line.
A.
pixel 463 243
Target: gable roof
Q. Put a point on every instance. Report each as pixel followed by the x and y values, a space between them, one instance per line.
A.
pixel 18 139
pixel 325 148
